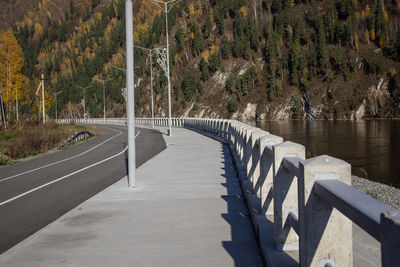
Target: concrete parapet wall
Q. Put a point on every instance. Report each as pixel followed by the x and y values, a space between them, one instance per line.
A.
pixel 299 206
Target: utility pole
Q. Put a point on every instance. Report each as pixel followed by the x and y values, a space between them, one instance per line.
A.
pixel 55 95
pixel 164 7
pixel 150 51
pixel 130 88
pixel 43 108
pixel 3 117
pixel 2 104
pixel 84 98
pixel 16 105
pixel 104 97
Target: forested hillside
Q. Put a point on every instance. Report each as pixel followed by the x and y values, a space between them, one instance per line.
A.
pixel 276 59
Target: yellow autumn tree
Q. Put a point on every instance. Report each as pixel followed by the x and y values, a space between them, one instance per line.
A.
pixel 11 66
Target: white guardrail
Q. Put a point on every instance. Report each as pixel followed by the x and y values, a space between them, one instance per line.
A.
pixel 296 204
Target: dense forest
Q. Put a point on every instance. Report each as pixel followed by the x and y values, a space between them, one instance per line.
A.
pixel 275 59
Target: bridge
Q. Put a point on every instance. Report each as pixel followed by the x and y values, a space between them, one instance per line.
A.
pixel 222 193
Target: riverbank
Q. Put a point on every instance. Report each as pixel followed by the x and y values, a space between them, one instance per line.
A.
pixel 382 192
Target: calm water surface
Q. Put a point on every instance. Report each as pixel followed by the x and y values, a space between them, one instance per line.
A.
pixel 371 147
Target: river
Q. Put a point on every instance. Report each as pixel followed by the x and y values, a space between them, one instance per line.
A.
pixel 371 147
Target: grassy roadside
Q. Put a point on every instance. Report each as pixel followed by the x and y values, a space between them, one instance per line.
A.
pixel 31 138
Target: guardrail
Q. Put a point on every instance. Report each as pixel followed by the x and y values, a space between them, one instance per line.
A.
pixel 78 137
pixel 298 204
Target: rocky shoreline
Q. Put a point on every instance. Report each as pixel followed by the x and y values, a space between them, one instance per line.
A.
pixel 384 193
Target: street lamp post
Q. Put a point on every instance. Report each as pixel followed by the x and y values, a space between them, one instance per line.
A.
pixel 130 88
pixel 164 7
pixel 150 51
pixel 104 97
pixel 84 98
pixel 55 94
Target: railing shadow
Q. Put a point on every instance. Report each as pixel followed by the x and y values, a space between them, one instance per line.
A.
pixel 243 247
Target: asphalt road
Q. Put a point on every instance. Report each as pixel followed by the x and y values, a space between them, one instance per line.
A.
pixel 36 192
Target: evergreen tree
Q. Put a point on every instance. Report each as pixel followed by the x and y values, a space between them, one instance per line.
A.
pixel 197 44
pixel 323 56
pixel 215 61
pixel 233 104
pixel 230 85
pixel 189 83
pixel 293 64
pixel 226 48
pixel 62 32
pixel 179 39
pixel 208 27
pixel 204 69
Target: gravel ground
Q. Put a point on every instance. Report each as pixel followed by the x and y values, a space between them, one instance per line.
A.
pixel 384 193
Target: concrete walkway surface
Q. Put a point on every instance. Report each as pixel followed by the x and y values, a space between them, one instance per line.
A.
pixel 187 210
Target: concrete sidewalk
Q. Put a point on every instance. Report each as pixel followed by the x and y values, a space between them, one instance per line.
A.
pixel 187 210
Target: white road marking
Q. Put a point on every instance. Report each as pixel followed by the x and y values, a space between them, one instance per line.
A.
pixel 64 160
pixel 61 178
pixel 66 176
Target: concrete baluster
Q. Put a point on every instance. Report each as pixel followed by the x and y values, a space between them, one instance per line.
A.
pixel 248 150
pixel 390 238
pixel 325 233
pixel 263 185
pixel 242 142
pixel 235 135
pixel 253 166
pixel 228 131
pixel 221 128
pixel 230 135
pixel 285 196
pixel 237 138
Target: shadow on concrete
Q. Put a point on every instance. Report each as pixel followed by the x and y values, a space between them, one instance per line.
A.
pixel 243 247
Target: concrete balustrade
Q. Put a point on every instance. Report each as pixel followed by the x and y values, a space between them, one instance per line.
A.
pixel 305 205
pixel 285 194
pixel 263 186
pixel 324 231
pixel 253 148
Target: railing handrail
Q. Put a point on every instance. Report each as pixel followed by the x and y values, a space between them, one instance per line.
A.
pixel 360 208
